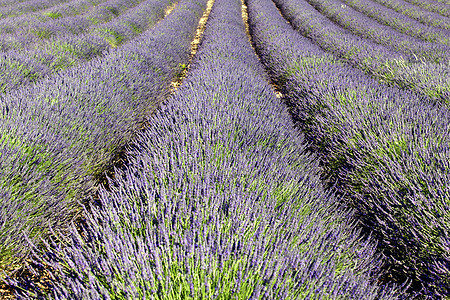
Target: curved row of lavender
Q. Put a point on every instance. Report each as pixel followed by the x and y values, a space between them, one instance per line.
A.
pixel 430 79
pixel 386 150
pixel 21 68
pixel 26 31
pixel 220 200
pixel 417 13
pixel 28 7
pixel 361 25
pixel 73 8
pixel 433 6
pixel 9 2
pixel 402 23
pixel 56 141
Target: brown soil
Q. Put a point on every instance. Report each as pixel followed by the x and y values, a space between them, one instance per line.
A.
pixel 194 46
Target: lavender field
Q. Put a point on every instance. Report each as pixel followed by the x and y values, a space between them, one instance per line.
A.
pixel 225 149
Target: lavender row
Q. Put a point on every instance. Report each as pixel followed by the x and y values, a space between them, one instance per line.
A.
pixel 385 149
pixel 220 200
pixel 62 52
pixel 368 28
pixel 21 24
pixel 28 6
pixel 430 79
pixel 433 6
pixel 9 2
pixel 400 22
pixel 41 33
pixel 56 142
pixel 417 13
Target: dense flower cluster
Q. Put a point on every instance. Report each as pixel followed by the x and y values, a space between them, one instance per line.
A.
pixel 385 149
pixel 54 141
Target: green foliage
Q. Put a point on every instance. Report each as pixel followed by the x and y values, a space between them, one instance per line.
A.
pixel 53 15
pixel 93 20
pixel 24 69
pixel 181 71
pixel 113 38
pixel 59 46
pixel 352 52
pixel 136 29
pixel 42 33
pixel 113 10
pixel 209 272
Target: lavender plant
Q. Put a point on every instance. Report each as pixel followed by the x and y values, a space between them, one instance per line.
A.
pixel 69 50
pixel 417 13
pixel 384 149
pixel 33 31
pixel 55 142
pixel 220 200
pixel 400 22
pixel 8 2
pixel 27 7
pixel 361 25
pixel 388 66
pixel 433 6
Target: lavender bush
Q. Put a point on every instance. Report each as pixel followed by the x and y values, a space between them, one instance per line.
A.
pixel 361 25
pixel 54 142
pixel 68 50
pixel 417 13
pixel 388 66
pixel 9 2
pixel 433 6
pixel 27 7
pixel 384 149
pixel 220 200
pixel 400 22
pixel 31 32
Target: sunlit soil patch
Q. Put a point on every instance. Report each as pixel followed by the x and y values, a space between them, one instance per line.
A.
pixel 169 9
pixel 194 47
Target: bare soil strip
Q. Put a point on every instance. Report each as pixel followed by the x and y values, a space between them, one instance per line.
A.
pixel 169 9
pixel 194 47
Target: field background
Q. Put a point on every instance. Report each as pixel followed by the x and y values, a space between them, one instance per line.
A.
pixel 224 149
